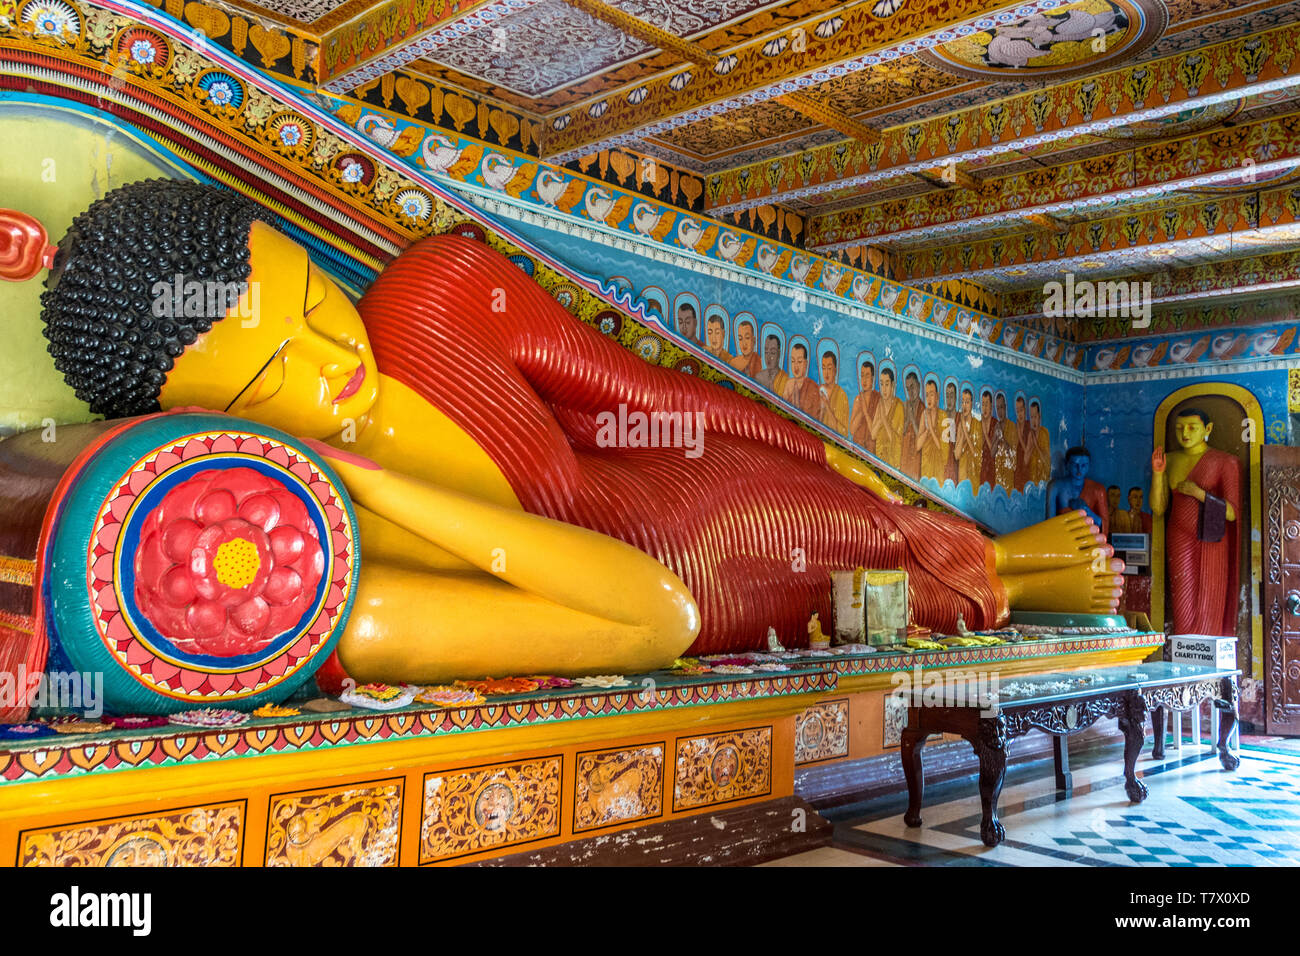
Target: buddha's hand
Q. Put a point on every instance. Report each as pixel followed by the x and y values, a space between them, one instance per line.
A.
pixel 1192 489
pixel 1158 461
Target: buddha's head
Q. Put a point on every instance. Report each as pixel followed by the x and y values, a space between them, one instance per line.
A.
pixel 772 352
pixel 912 385
pixel 745 338
pixel 798 361
pixel 1192 428
pixel 830 369
pixel 167 294
pixel 1077 461
pixel 716 332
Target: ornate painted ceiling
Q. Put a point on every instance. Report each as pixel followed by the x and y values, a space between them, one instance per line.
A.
pixel 980 144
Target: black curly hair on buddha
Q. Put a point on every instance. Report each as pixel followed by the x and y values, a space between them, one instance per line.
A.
pixel 108 335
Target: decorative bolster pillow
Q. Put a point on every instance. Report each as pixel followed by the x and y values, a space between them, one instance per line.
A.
pixel 194 559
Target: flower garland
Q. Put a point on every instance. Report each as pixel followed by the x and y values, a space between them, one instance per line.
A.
pixel 208 717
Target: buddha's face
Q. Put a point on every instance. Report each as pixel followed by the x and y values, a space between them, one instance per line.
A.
pixel 715 334
pixel 1077 467
pixel 745 338
pixel 302 362
pixel 1190 431
pixel 772 353
pixel 686 322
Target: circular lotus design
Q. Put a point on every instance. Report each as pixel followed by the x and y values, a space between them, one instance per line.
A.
pixel 228 560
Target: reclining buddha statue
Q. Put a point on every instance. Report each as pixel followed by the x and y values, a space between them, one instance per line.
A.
pixel 459 403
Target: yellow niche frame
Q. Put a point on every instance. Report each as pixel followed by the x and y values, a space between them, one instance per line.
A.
pixel 1250 404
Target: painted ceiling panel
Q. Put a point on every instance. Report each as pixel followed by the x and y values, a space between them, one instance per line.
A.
pixel 550 44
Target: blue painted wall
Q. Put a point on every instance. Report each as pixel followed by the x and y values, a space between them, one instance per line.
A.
pixel 1120 417
pixel 892 339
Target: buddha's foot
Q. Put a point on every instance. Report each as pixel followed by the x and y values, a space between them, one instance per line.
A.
pixel 1062 564
pixel 1068 539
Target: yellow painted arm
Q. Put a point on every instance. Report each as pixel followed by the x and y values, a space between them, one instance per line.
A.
pixel 565 564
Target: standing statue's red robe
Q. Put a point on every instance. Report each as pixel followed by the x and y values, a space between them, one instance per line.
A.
pixel 1203 584
pixel 752 526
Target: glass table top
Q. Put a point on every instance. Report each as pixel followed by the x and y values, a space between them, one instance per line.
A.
pixel 1043 688
pixel 976 688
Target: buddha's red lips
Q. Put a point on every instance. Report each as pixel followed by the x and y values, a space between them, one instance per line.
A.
pixel 353 386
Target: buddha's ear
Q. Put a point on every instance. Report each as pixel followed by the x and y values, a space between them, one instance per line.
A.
pixel 25 249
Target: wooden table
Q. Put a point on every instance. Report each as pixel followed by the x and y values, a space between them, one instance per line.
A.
pixel 1062 705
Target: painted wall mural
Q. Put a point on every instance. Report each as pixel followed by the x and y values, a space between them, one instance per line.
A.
pixel 1056 43
pixel 524 180
pixel 978 427
pixel 1222 347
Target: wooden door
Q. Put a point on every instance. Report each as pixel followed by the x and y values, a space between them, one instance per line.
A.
pixel 1281 479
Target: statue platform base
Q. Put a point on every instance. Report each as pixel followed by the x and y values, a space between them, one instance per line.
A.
pixel 519 776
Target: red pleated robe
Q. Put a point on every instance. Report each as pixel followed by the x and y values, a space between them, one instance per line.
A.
pixel 1203 583
pixel 753 526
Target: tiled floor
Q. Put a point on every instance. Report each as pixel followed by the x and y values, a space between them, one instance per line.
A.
pixel 1197 814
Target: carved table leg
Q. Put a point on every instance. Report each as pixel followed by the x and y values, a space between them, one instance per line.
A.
pixel 990 745
pixel 1158 726
pixel 912 743
pixel 1227 706
pixel 1061 760
pixel 1132 721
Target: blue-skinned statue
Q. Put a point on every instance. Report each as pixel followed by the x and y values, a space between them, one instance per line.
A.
pixel 1074 490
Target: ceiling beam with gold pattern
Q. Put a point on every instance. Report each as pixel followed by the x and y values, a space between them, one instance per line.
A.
pixel 656 36
pixel 790 61
pixel 695 53
pixel 1146 93
pixel 393 33
pixel 1250 154
pixel 1220 282
pixel 1148 255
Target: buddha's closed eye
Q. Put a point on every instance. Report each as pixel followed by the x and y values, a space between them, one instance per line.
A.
pixel 268 381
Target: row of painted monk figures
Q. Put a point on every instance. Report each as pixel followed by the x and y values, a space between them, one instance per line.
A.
pixel 923 434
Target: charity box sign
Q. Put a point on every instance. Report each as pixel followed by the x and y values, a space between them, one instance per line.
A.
pixel 1204 649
